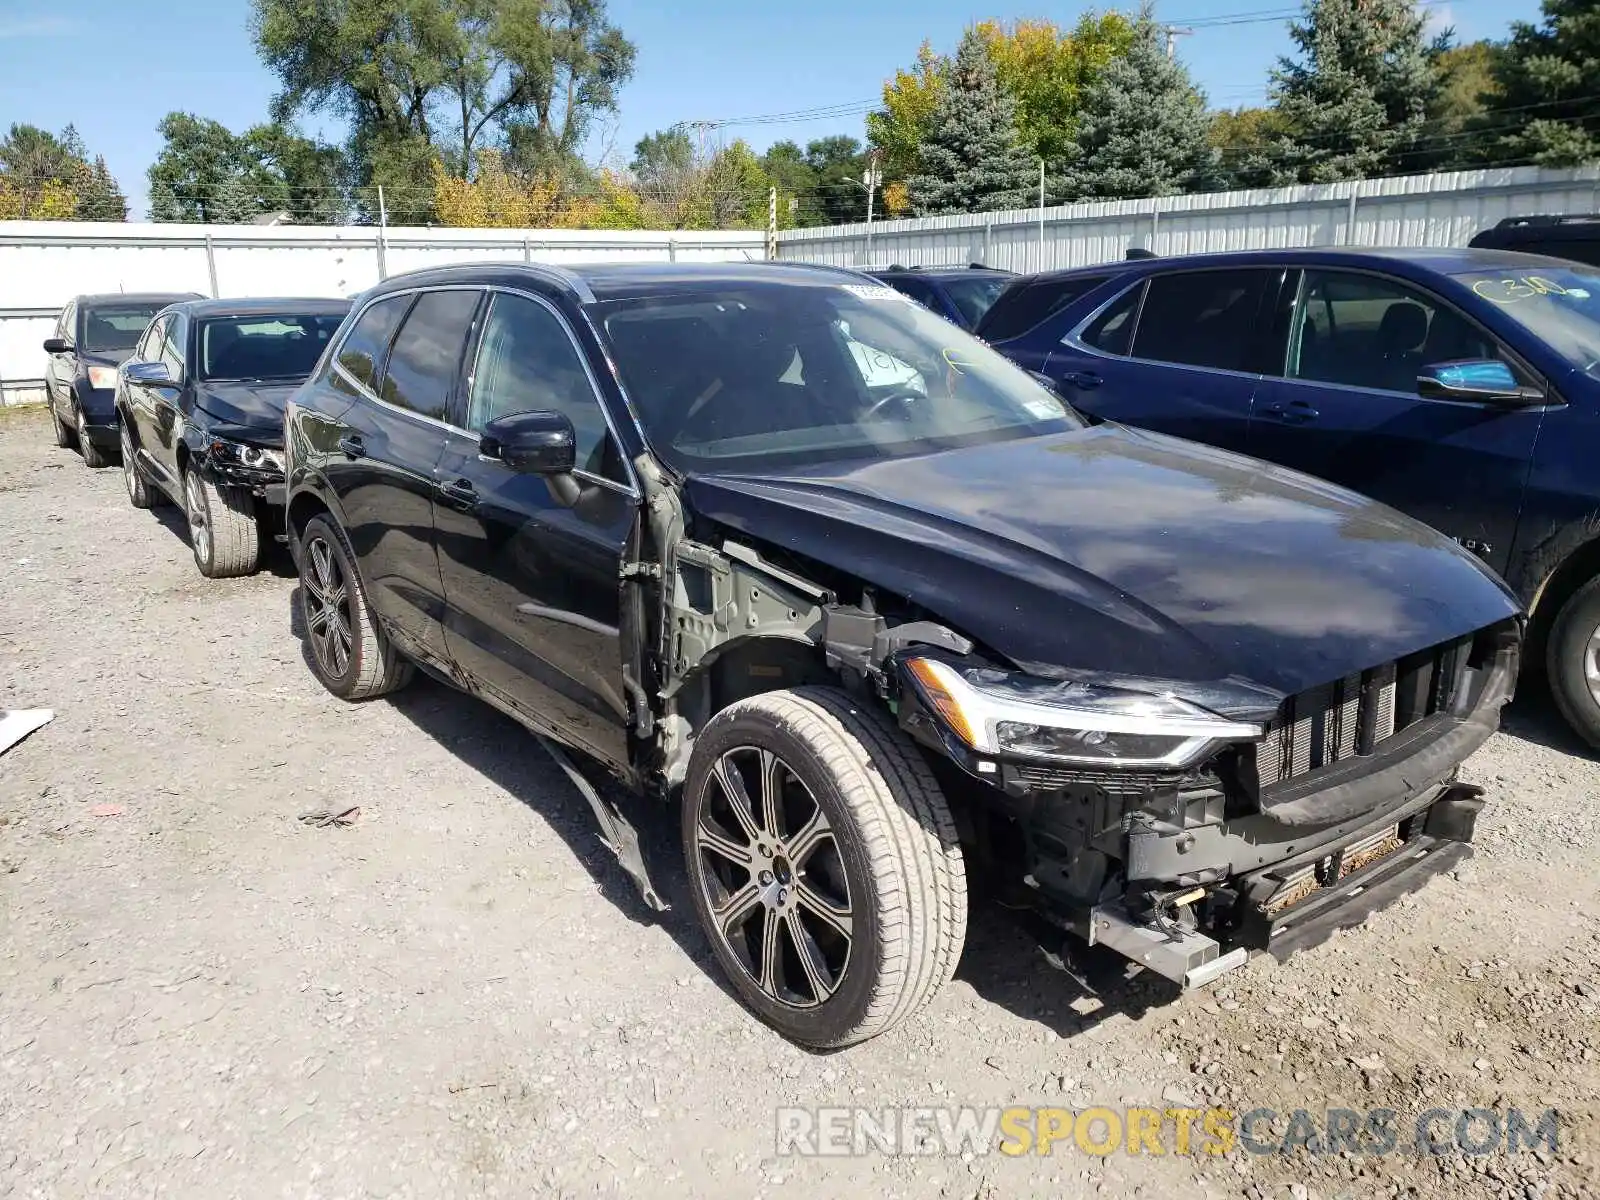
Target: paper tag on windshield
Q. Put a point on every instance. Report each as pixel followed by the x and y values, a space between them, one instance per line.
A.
pixel 867 291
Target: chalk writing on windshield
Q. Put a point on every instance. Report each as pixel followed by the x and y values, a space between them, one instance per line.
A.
pixel 1516 290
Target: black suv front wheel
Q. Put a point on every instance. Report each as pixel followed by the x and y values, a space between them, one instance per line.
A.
pixel 823 864
pixel 349 653
pixel 222 527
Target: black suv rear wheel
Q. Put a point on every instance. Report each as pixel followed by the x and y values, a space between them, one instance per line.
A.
pixel 140 493
pixel 349 653
pixel 823 864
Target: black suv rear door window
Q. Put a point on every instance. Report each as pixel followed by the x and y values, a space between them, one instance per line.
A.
pixel 427 352
pixel 362 352
pixel 1202 318
pixel 1023 306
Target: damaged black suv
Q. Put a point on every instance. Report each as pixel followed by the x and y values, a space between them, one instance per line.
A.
pixel 879 610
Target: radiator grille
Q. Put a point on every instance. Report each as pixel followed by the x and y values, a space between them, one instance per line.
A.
pixel 1356 714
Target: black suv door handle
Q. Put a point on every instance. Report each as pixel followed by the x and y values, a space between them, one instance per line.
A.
pixel 1082 379
pixel 352 445
pixel 1296 412
pixel 460 493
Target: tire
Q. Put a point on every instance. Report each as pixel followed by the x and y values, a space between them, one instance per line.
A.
pixel 222 527
pixel 93 457
pixel 140 493
pixel 1572 661
pixel 889 853
pixel 333 599
pixel 63 434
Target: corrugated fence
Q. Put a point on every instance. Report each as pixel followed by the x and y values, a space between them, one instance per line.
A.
pixel 1420 210
pixel 43 264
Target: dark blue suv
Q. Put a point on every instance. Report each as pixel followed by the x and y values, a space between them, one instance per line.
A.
pixel 959 294
pixel 1459 386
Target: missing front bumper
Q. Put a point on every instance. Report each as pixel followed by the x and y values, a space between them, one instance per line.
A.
pixel 1288 908
pixel 1282 913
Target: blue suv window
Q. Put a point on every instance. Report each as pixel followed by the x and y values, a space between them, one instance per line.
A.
pixel 1025 305
pixel 1112 330
pixel 1202 318
pixel 1370 331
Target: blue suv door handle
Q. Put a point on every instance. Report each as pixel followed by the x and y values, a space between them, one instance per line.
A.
pixel 1082 379
pixel 1296 412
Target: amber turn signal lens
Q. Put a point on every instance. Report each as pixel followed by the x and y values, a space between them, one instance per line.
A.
pixel 932 677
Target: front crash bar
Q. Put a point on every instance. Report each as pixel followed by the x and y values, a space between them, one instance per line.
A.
pixel 616 834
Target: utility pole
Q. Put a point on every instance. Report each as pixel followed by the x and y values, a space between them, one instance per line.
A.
pixel 1041 214
pixel 1174 32
pixel 870 179
pixel 700 128
pixel 772 223
pixel 383 237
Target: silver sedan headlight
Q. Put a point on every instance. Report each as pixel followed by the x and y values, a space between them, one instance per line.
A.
pixel 1006 713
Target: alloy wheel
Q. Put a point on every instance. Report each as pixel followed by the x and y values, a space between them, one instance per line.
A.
pixel 327 608
pixel 774 879
pixel 1591 665
pixel 199 516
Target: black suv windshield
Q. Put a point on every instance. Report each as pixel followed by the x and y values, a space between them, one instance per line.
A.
pixel 769 377
pixel 277 346
pixel 974 295
pixel 109 328
pixel 1559 307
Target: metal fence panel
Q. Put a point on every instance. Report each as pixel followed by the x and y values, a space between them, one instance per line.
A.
pixel 43 264
pixel 1422 210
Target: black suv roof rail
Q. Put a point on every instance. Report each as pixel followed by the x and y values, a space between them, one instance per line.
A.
pixel 1139 252
pixel 1546 219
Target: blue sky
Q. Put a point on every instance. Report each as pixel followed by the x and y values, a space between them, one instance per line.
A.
pixel 114 69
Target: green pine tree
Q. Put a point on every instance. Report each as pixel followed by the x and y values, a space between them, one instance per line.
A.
pixel 1549 78
pixel 971 160
pixel 1356 100
pixel 99 197
pixel 1144 127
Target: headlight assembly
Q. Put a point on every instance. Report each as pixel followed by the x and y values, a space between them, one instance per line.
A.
pixel 242 454
pixel 103 378
pixel 1002 713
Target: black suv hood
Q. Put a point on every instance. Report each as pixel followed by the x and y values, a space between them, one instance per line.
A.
pixel 247 405
pixel 1119 551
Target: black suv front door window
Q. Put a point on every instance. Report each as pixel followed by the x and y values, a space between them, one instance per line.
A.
pixel 527 363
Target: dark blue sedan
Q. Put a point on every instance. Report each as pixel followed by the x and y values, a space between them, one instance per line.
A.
pixel 1460 386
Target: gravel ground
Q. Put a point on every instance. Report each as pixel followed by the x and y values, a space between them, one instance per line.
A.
pixel 461 995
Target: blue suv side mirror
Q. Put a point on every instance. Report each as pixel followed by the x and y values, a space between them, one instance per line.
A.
pixel 1482 381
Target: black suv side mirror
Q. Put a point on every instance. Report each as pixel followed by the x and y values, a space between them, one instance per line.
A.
pixel 1480 381
pixel 532 443
pixel 151 374
pixel 55 345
